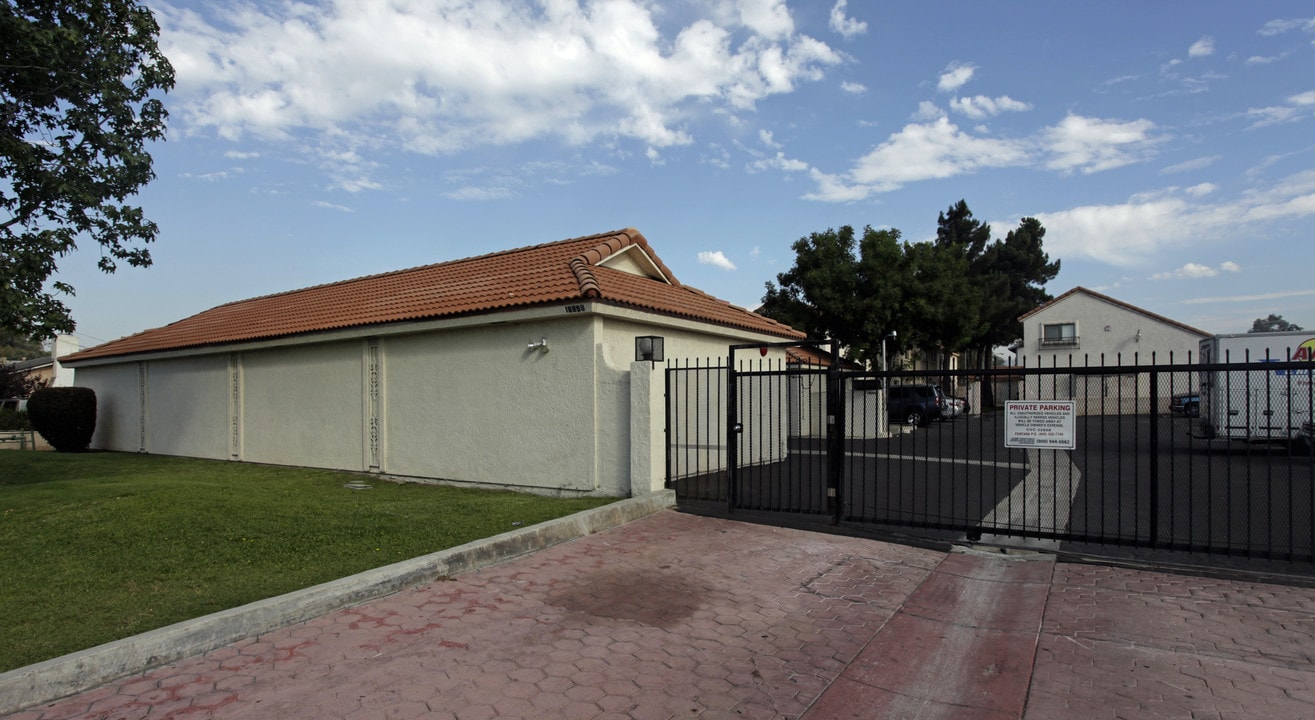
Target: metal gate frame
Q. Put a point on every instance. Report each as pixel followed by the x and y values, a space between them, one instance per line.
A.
pixel 1147 482
pixel 834 422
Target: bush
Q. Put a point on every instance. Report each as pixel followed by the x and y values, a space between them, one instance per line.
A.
pixel 65 416
pixel 13 420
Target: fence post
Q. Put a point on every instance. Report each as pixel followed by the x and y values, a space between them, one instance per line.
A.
pixel 647 431
pixel 835 432
pixel 732 434
pixel 1155 455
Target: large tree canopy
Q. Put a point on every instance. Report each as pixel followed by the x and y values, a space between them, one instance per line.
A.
pixel 960 292
pixel 843 287
pixel 76 114
pixel 1273 323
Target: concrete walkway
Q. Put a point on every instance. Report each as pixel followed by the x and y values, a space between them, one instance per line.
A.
pixel 678 616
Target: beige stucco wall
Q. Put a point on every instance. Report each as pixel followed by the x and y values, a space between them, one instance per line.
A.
pixel 118 406
pixel 463 400
pixel 1111 336
pixel 477 405
pixel 187 407
pixel 700 441
pixel 1118 334
pixel 303 406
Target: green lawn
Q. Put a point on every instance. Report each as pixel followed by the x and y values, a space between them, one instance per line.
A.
pixel 100 546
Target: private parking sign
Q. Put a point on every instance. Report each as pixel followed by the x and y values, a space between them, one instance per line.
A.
pixel 1040 424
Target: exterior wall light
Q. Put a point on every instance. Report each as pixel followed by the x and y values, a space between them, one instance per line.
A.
pixel 650 348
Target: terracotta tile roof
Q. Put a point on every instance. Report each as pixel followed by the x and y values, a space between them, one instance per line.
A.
pixel 805 355
pixel 559 272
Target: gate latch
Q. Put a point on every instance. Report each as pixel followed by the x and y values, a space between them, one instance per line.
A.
pixel 738 427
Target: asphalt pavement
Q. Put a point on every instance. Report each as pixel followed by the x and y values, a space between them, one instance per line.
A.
pixel 679 616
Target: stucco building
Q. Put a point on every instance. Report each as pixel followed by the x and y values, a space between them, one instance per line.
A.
pixel 1084 328
pixel 516 368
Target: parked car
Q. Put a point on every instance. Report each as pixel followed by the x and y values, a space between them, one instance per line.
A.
pixel 1186 405
pixel 915 404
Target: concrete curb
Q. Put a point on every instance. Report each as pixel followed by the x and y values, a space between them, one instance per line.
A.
pixel 62 676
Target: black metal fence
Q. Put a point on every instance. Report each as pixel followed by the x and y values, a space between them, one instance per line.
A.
pixel 1203 458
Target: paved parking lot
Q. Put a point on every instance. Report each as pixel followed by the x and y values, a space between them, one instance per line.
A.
pixel 680 616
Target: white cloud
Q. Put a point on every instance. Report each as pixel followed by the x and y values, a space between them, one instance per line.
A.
pixel 240 155
pixel 716 258
pixel 1261 60
pixel 853 88
pixel 1298 107
pixel 1188 271
pixel 1116 81
pixel 479 193
pixel 458 75
pixel 1275 27
pixel 1092 144
pixel 780 162
pixel 928 110
pixel 1127 234
pixel 1202 48
pixel 1201 189
pixel 982 106
pixel 1120 235
pixel 848 27
pixel 769 18
pixel 938 149
pixel 331 206
pixel 1230 266
pixel 766 138
pixel 956 75
pixel 212 176
pixel 834 188
pixel 1195 164
pixel 934 150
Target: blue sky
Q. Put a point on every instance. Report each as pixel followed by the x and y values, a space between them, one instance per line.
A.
pixel 1167 147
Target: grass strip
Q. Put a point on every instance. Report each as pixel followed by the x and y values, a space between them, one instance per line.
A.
pixel 99 546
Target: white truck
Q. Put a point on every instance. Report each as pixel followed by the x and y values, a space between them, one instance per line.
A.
pixel 1254 404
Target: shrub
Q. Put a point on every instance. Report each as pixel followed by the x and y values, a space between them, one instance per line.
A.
pixel 13 420
pixel 65 416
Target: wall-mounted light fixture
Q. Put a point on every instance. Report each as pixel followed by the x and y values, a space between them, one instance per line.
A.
pixel 650 348
pixel 541 346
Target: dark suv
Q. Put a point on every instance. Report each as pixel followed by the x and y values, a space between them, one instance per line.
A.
pixel 914 404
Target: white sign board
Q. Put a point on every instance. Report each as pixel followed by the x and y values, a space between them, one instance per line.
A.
pixel 1039 424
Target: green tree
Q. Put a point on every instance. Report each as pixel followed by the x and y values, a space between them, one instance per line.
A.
pixel 960 292
pixel 956 228
pixel 17 347
pixel 1273 323
pixel 1021 268
pixel 843 287
pixel 943 312
pixel 963 241
pixel 76 114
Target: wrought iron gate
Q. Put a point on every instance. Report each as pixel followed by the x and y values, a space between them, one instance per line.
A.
pixel 799 443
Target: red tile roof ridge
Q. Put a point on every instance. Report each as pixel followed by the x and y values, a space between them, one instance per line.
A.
pixel 583 275
pixel 561 271
pixel 615 244
pixel 427 266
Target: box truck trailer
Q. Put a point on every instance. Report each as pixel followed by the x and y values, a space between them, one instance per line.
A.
pixel 1248 401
